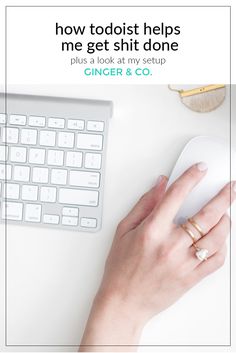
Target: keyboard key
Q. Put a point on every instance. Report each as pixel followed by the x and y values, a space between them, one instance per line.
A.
pixel 93 160
pixel 59 176
pixel 48 194
pixel 51 219
pixel 18 154
pixel 69 221
pixel 84 179
pixel 37 155
pixel 32 212
pixel 56 123
pixel 78 197
pixel 10 135
pixel 88 222
pixel 89 141
pixel 29 136
pixel 29 192
pixel 3 153
pixel 55 157
pixel 66 139
pixel 38 121
pixel 70 211
pixel 12 210
pixel 74 159
pixel 3 118
pixel 75 124
pixel 40 175
pixel 21 173
pixel 93 125
pixel 11 191
pixel 47 138
pixel 16 119
pixel 5 172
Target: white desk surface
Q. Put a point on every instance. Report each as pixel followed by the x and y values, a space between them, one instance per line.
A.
pixel 53 274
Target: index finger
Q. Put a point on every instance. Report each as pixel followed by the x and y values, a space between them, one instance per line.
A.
pixel 177 193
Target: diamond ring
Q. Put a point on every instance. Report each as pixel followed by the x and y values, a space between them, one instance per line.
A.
pixel 201 254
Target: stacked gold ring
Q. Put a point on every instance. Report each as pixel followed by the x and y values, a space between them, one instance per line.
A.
pixel 201 254
pixel 196 226
pixel 189 232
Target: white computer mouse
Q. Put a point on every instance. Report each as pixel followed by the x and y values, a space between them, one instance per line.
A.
pixel 215 152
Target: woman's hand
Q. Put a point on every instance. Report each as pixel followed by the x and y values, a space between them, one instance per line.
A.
pixel 152 262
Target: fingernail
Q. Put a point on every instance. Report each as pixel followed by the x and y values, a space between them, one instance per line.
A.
pixel 234 186
pixel 202 166
pixel 159 179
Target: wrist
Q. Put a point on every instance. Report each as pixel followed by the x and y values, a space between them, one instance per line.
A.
pixel 113 304
pixel 113 322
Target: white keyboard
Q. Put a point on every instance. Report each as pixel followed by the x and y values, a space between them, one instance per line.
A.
pixel 52 161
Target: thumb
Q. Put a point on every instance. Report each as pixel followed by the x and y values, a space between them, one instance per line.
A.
pixel 144 206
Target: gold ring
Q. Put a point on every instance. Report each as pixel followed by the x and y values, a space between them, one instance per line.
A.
pixel 189 232
pixel 196 226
